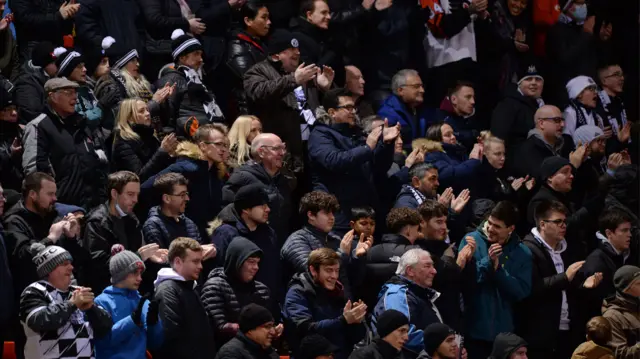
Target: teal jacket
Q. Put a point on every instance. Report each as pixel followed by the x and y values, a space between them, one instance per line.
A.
pixel 496 291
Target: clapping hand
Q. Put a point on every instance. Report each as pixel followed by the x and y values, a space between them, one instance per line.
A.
pixel 304 74
pixel 465 255
pixel 495 251
pixel 324 77
pixel 153 253
pixel 458 203
pixel 82 298
pixel 71 229
pixel 354 313
pixel 364 244
pixel 573 269
pixel 210 251
pixel 347 242
pixel 625 133
pixel 578 156
pixel 593 281
pixel 390 133
pixel 446 197
pixel 416 156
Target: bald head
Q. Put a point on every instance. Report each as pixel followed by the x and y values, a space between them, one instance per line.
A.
pixel 549 121
pixel 547 111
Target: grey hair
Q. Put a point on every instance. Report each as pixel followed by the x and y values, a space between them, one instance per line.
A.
pixel 409 259
pixel 400 78
pixel 256 144
pixel 366 123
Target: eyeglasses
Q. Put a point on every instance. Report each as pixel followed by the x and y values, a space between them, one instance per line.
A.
pixel 182 195
pixel 350 108
pixel 557 120
pixel 282 148
pixel 219 144
pixel 557 222
pixel 67 92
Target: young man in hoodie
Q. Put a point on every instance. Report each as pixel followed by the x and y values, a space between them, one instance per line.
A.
pixel 622 313
pixel 257 331
pixel 136 323
pixel 503 278
pixel 508 346
pixel 393 329
pixel 229 289
pixel 548 318
pixel 187 332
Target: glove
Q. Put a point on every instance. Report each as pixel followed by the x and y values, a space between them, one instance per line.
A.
pixel 152 313
pixel 136 316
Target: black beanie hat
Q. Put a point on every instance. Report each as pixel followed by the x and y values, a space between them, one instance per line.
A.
pixel 95 56
pixel 182 44
pixel 625 276
pixel 389 321
pixel 281 40
pixel 528 69
pixel 250 196
pixel 551 165
pixel 67 62
pixel 6 97
pixel 434 335
pixel 42 55
pixel 315 345
pixel 253 316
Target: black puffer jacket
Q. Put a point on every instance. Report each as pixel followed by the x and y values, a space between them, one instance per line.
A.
pixel 29 92
pixel 242 347
pixel 224 294
pixel 143 156
pixel 279 189
pixel 378 349
pixel 73 154
pixel 162 230
pixel 296 249
pixel 243 51
pixel 100 234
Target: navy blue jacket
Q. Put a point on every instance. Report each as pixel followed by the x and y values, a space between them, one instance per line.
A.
pixel 413 126
pixel 161 229
pixel 342 164
pixel 264 237
pixel 455 169
pixel 204 185
pixel 463 127
pixel 309 308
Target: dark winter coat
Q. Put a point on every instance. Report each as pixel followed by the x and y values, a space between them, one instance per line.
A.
pixel 464 128
pixel 413 124
pixel 242 347
pixel 120 19
pixel 29 93
pixel 311 309
pixel 506 344
pixel 534 151
pixel 9 63
pixel 270 94
pixel 243 51
pixel 455 169
pixel 494 184
pixel 538 316
pixel 622 312
pixel 224 294
pixel 161 17
pixel 68 150
pixel 162 230
pixel 296 249
pixel 378 349
pixel 11 174
pixel 142 156
pixel 187 333
pixel 343 165
pixel 512 119
pixel 7 297
pixel 264 237
pixel 38 21
pixel 102 232
pixel 279 189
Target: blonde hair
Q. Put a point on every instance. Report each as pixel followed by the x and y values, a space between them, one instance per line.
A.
pixel 136 87
pixel 126 115
pixel 238 137
pixel 489 139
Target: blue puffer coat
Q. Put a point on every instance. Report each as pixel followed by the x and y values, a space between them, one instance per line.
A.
pixel 496 291
pixel 412 126
pixel 455 169
pixel 126 340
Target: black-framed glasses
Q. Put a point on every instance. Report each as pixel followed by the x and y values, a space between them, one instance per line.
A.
pixel 219 144
pixel 182 195
pixel 556 120
pixel 557 222
pixel 350 108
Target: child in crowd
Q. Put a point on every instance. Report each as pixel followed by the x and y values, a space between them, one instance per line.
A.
pixel 598 335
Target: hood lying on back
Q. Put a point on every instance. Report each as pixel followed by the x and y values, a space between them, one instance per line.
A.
pixel 505 344
pixel 166 274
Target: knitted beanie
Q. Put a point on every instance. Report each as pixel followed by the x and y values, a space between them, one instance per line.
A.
pixel 625 276
pixel 253 316
pixel 67 61
pixel 48 258
pixel 182 44
pixel 434 335
pixel 389 321
pixel 123 263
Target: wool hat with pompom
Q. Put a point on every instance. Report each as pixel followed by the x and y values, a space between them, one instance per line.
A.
pixel 123 263
pixel 67 61
pixel 93 59
pixel 182 44
pixel 47 259
pixel 43 55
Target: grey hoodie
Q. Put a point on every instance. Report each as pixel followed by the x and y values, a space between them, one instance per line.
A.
pixel 555 149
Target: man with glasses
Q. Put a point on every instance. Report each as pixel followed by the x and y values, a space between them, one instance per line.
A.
pixel 611 106
pixel 342 160
pixel 59 142
pixel 402 107
pixel 547 315
pixel 544 141
pixel 267 153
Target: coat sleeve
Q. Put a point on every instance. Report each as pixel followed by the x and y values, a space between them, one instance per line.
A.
pixel 543 286
pixel 152 232
pixel 398 301
pixel 88 28
pixel 234 183
pixel 30 105
pixel 619 343
pixel 120 331
pixel 502 120
pixel 515 282
pixel 96 242
pixel 155 333
pixel 262 90
pixel 458 172
pixel 170 314
pixel 100 321
pixel 323 152
pixel 36 150
pixel 296 252
pixel 484 267
pixel 213 299
pixel 39 315
pixel 37 21
pixel 569 121
pixel 297 310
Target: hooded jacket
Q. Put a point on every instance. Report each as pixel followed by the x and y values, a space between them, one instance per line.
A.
pixel 162 230
pixel 505 345
pixel 72 153
pixel 535 150
pixel 187 332
pixel 29 92
pixel 264 237
pixel 224 294
pixel 205 183
pixel 491 309
pixel 142 156
pixel 413 125
pixel 416 303
pixel 296 249
pixel 126 340
pixel 279 189
pixel 623 312
pixel 591 350
pixel 241 347
pixel 378 349
pixel 311 309
pixel 101 232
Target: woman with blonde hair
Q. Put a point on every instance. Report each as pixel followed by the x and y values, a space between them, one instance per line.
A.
pixel 243 131
pixel 135 147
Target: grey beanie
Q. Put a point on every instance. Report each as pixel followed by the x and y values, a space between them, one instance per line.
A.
pixel 48 258
pixel 586 134
pixel 122 263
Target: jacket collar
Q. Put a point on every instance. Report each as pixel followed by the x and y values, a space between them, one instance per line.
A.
pixel 426 293
pixel 386 349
